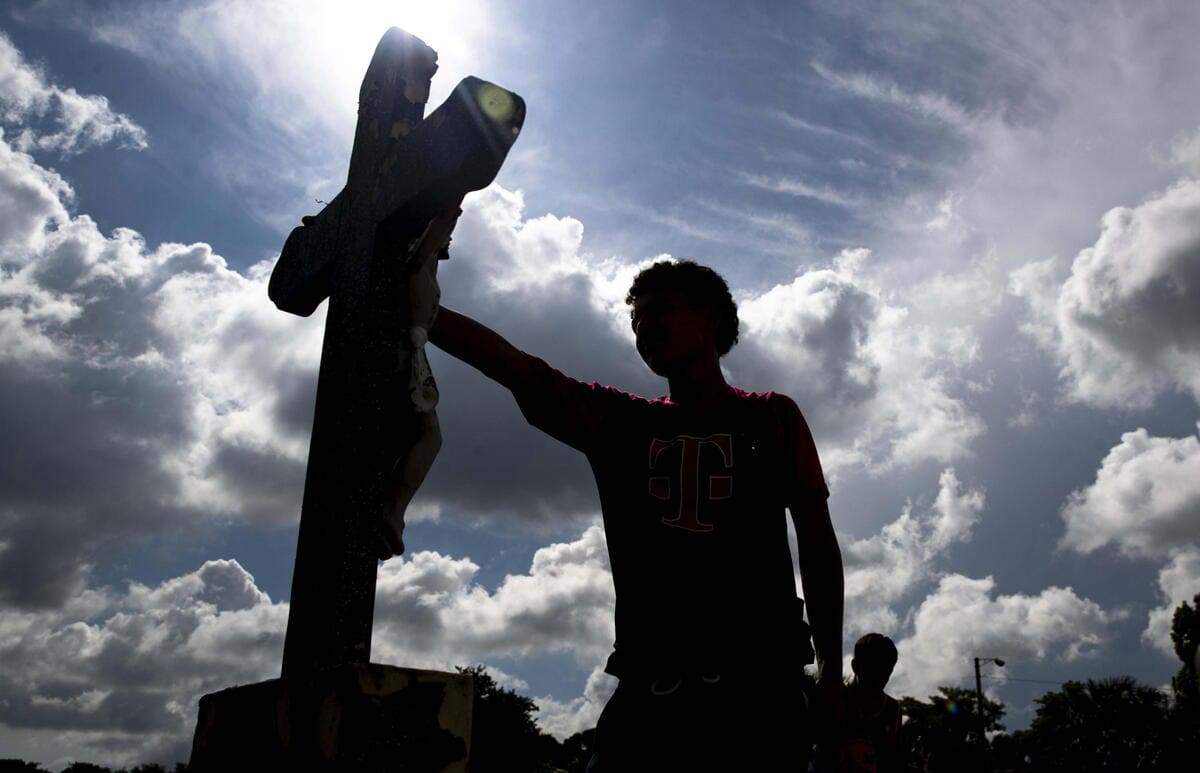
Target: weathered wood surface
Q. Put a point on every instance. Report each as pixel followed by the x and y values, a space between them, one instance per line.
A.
pixel 362 718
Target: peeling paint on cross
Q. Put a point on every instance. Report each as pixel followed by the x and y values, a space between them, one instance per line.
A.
pixel 405 171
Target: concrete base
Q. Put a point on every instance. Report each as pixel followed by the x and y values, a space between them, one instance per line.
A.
pixel 358 717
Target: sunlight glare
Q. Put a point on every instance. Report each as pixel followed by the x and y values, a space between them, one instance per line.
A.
pixel 347 35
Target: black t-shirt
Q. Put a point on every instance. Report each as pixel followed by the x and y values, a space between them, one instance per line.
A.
pixel 693 506
pixel 873 735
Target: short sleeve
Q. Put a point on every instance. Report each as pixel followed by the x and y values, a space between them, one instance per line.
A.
pixel 564 408
pixel 802 466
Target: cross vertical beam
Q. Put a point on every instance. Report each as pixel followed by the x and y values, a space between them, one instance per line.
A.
pixel 404 171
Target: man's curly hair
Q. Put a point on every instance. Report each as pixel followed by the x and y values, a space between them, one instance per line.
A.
pixel 703 287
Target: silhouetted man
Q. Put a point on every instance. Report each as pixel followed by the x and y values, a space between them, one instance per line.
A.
pixel 692 489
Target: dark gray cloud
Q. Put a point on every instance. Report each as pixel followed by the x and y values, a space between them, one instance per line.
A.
pixel 121 673
pixel 492 461
pixel 131 396
pixel 79 469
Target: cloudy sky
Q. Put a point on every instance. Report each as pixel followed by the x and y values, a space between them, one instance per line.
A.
pixel 965 238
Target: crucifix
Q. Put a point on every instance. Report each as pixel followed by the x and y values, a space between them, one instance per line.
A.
pixel 373 252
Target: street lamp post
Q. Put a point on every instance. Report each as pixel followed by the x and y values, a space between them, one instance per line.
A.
pixel 979 695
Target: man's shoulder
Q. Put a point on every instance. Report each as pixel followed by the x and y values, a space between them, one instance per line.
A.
pixel 769 396
pixel 780 405
pixel 546 375
pixel 576 412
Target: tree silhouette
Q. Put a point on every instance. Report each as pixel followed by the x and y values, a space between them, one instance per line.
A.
pixel 12 765
pixel 21 766
pixel 1184 723
pixel 504 736
pixel 577 751
pixel 1185 635
pixel 1106 724
pixel 942 734
pixel 1010 753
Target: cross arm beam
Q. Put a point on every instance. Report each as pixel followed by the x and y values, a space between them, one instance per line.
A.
pixel 457 149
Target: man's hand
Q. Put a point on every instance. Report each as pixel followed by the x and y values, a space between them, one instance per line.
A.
pixel 821 575
pixel 831 720
pixel 832 695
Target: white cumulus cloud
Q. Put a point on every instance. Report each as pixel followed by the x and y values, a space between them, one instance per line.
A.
pixel 55 118
pixel 125 669
pixel 429 612
pixel 884 568
pixel 563 719
pixel 428 605
pixel 131 666
pixel 1178 581
pixel 1145 499
pixel 1125 323
pixel 964 618
pixel 880 389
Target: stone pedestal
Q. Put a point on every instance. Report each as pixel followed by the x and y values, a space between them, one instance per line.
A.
pixel 358 717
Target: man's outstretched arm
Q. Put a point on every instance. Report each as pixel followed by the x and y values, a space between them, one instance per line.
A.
pixel 480 347
pixel 821 572
pixel 564 408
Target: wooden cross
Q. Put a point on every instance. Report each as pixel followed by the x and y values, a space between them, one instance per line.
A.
pixel 405 171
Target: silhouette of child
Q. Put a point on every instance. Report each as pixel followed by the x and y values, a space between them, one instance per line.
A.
pixel 872 716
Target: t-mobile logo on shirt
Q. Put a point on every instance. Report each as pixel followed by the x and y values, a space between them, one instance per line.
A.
pixel 690 480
